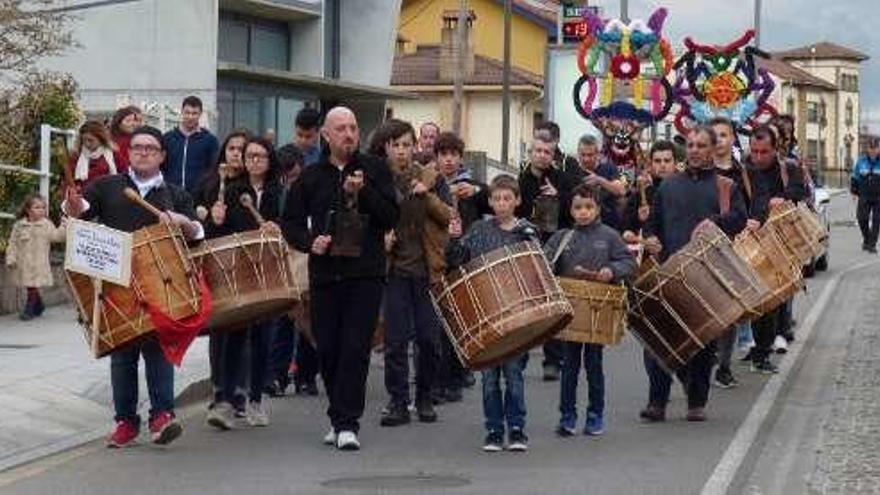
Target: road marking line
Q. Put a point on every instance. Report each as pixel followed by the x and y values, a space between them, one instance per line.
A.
pixel 725 471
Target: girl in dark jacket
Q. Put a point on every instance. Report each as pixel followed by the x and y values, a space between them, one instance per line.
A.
pixel 123 123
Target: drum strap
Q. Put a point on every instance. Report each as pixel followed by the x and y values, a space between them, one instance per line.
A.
pixel 566 239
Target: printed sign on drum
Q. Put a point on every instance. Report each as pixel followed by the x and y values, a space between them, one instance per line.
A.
pixel 99 252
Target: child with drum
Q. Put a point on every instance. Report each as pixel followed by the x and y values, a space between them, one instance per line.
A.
pixel 484 236
pixel 591 251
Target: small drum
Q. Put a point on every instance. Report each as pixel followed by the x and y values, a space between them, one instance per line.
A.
pixel 161 275
pixel 599 312
pixel 799 230
pixel 679 307
pixel 249 277
pixel 767 256
pixel 501 304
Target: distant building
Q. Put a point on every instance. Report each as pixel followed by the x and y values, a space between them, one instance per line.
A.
pixel 429 71
pixel 819 85
pixel 254 63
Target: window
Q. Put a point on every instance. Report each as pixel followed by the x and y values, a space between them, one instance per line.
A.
pixel 822 158
pixel 789 105
pixel 848 118
pixel 253 41
pixel 258 108
pixel 849 155
pixel 812 150
pixel 812 112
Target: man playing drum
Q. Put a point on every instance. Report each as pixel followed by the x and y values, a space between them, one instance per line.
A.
pixel 338 211
pixel 772 182
pixel 105 202
pixel 544 191
pixel 681 205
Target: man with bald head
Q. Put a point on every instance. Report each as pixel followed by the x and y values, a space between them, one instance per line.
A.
pixel 338 212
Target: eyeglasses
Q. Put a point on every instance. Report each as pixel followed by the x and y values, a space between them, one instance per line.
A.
pixel 256 157
pixel 145 149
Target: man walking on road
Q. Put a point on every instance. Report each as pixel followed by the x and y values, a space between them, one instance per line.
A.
pixel 865 185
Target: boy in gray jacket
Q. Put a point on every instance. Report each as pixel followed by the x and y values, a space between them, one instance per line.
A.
pixel 593 251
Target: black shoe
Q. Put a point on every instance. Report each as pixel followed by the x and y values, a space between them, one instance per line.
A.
pixel 425 411
pixel 438 396
pixel 764 367
pixel 307 388
pixel 517 441
pixel 494 442
pixel 396 415
pixel 724 378
pixel 872 249
pixel 551 373
pixel 653 414
pixel 453 395
pixel 469 380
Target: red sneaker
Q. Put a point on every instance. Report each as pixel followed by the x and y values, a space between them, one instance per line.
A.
pixel 125 433
pixel 164 429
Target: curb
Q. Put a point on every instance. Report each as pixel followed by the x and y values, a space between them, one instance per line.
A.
pixel 195 392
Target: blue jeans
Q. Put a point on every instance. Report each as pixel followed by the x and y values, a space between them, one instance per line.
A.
pixel 124 380
pixel 511 405
pixel 571 367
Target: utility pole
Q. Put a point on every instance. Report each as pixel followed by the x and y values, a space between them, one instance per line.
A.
pixel 757 23
pixel 624 10
pixel 505 85
pixel 458 92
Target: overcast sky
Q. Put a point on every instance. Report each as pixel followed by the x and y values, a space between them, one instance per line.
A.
pixel 785 24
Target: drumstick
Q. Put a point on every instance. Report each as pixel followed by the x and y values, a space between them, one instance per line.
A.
pixel 643 197
pixel 248 203
pixel 135 198
pixel 221 191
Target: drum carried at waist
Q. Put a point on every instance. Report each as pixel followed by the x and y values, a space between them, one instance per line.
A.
pixel 500 304
pixel 766 254
pixel 249 277
pixel 162 277
pixel 799 230
pixel 679 307
pixel 599 312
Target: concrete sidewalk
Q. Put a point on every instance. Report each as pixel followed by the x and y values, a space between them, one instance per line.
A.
pixel 55 395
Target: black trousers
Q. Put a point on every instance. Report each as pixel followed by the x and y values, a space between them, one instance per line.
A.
pixel 552 353
pixel 868 215
pixel 450 372
pixel 306 360
pixel 765 329
pixel 344 316
pixel 695 376
pixel 409 314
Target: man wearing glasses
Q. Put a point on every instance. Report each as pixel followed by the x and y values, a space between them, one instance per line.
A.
pixel 104 202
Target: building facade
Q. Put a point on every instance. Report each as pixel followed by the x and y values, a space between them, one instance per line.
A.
pixel 254 63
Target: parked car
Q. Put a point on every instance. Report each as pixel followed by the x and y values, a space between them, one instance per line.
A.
pixel 820 202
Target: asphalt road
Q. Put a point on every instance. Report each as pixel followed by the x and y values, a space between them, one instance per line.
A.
pixel 675 457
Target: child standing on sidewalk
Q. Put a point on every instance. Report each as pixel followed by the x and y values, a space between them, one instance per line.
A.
pixel 594 251
pixel 487 235
pixel 27 253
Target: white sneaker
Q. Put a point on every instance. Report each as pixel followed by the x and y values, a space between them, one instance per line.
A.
pixel 347 440
pixel 780 345
pixel 330 437
pixel 258 413
pixel 220 416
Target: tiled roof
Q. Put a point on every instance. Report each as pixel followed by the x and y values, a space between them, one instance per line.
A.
pixel 790 73
pixel 544 10
pixel 823 50
pixel 422 68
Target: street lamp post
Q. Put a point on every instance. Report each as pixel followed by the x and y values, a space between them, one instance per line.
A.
pixel 505 85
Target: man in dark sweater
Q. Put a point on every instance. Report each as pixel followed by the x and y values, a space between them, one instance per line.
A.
pixel 544 192
pixel 681 206
pixel 346 198
pixel 105 202
pixel 771 183
pixel 603 175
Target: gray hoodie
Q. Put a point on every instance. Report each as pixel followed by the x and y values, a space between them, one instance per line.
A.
pixel 592 247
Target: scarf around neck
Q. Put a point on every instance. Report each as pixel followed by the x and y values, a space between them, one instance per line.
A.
pixel 85 157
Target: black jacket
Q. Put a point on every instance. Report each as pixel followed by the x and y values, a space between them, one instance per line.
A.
pixel 686 199
pixel 238 218
pixel 767 184
pixel 109 206
pixel 318 193
pixel 631 220
pixel 530 189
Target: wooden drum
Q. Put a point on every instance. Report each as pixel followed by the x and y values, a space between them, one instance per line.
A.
pixel 679 307
pixel 249 277
pixel 799 230
pixel 599 312
pixel 501 304
pixel 768 257
pixel 161 275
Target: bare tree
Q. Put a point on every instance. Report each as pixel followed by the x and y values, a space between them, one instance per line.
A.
pixel 30 30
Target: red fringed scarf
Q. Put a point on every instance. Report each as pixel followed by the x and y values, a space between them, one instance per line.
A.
pixel 175 336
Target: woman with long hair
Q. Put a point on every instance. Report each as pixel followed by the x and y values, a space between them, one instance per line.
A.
pixel 94 155
pixel 123 123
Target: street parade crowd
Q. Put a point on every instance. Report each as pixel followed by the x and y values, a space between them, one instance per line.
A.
pixel 390 237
